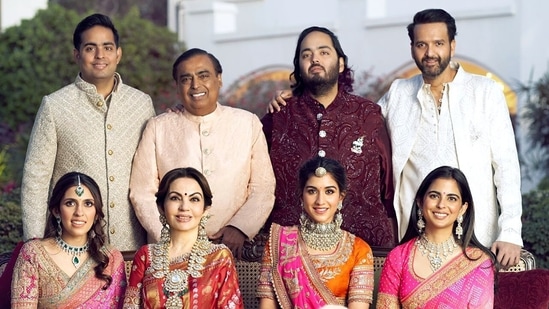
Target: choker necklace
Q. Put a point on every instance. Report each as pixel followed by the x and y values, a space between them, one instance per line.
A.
pixel 176 281
pixel 320 236
pixel 71 250
pixel 436 253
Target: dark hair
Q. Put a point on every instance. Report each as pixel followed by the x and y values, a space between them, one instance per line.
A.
pixel 97 242
pixel 433 16
pixel 90 22
pixel 195 52
pixel 345 79
pixel 183 172
pixel 468 239
pixel 333 167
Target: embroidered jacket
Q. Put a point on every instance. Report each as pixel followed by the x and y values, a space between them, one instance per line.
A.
pixel 76 130
pixel 485 144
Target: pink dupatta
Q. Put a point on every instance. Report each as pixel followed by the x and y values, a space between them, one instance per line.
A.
pixel 296 283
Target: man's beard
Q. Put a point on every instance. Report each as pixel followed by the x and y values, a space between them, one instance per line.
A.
pixel 432 72
pixel 319 85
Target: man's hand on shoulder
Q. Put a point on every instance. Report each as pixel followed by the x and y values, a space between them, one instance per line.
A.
pixel 233 238
pixel 279 100
pixel 178 108
pixel 507 254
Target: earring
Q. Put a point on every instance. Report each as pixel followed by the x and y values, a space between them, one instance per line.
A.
pixel 202 236
pixel 459 228
pixel 59 228
pixel 165 232
pixel 338 220
pixel 420 222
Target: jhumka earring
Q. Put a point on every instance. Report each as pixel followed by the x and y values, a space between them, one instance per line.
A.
pixel 459 228
pixel 202 236
pixel 420 222
pixel 338 217
pixel 165 232
pixel 59 229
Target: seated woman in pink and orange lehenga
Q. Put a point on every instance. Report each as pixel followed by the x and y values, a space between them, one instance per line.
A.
pixel 316 263
pixel 440 263
pixel 183 270
pixel 71 267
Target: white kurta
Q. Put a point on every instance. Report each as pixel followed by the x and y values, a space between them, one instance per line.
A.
pixel 485 148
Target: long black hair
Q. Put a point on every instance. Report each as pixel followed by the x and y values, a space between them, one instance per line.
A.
pixel 469 239
pixel 345 79
pixel 97 242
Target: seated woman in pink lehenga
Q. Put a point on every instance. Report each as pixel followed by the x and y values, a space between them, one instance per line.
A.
pixel 184 269
pixel 72 266
pixel 316 263
pixel 439 263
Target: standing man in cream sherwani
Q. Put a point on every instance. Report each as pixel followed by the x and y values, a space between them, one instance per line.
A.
pixel 226 144
pixel 91 126
pixel 446 116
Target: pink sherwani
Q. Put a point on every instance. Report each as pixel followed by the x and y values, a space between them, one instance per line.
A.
pixel 485 150
pixel 227 146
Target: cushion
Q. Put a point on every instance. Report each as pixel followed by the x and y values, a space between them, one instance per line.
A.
pixel 524 289
pixel 5 278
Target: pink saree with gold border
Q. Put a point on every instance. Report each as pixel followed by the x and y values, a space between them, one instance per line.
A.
pixel 461 283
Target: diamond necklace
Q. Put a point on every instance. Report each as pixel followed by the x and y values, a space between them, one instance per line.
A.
pixel 72 250
pixel 176 281
pixel 433 251
pixel 320 236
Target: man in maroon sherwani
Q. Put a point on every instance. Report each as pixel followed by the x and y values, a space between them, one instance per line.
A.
pixel 324 119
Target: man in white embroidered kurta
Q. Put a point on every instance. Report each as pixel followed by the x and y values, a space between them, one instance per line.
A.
pixel 472 131
pixel 91 126
pixel 226 144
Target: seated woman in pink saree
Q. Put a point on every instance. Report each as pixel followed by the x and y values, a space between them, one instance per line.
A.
pixel 316 263
pixel 71 267
pixel 440 263
pixel 183 270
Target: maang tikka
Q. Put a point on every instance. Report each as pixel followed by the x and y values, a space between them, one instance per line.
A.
pixel 79 189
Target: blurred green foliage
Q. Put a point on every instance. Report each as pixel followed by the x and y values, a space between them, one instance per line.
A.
pixel 11 227
pixel 535 230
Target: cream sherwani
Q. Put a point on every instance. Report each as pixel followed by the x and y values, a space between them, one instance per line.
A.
pixel 227 146
pixel 76 130
pixel 485 150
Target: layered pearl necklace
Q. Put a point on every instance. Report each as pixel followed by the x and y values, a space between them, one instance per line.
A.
pixel 74 251
pixel 436 253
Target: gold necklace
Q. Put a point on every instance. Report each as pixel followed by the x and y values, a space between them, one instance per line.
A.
pixel 321 236
pixel 176 281
pixel 436 253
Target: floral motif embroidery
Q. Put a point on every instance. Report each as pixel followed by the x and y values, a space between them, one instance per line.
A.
pixel 357 145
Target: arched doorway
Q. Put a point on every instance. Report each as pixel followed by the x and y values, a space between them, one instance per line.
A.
pixel 253 91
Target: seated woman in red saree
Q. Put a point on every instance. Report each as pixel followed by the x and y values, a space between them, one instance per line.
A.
pixel 316 263
pixel 71 267
pixel 440 263
pixel 183 270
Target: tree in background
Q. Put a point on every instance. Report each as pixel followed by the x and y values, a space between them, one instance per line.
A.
pixel 535 116
pixel 37 59
pixel 153 10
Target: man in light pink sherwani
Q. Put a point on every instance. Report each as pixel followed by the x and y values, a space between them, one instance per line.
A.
pixel 226 144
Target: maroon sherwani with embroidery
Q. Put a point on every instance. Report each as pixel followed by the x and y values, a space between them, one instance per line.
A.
pixel 352 131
